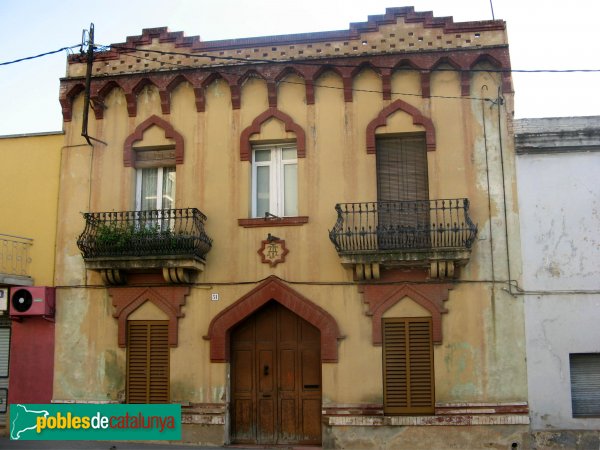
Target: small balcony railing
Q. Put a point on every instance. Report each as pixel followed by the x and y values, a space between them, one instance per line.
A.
pixel 403 225
pixel 168 232
pixel 14 255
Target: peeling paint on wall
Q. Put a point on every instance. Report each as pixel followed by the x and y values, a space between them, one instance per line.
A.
pixel 462 360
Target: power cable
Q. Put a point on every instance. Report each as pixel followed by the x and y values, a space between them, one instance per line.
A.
pixel 318 61
pixel 40 55
pixel 185 67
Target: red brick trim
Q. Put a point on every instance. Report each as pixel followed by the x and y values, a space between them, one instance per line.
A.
pixel 200 90
pixel 66 98
pixel 254 128
pixel 382 297
pixel 463 59
pixel 138 134
pixel 273 222
pixel 386 83
pixel 168 299
pixel 425 84
pixel 345 73
pixel 272 289
pixel 418 119
pixel 132 98
pixel 101 96
pixel 449 60
pixel 195 44
pixel 445 414
pixel 264 258
pixel 506 76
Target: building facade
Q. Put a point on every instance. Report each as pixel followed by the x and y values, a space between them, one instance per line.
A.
pixel 304 239
pixel 28 217
pixel 558 161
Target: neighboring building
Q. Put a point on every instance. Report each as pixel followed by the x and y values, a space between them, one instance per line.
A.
pixel 559 196
pixel 28 207
pixel 303 239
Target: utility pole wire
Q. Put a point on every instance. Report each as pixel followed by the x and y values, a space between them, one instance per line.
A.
pixel 316 61
pixel 40 55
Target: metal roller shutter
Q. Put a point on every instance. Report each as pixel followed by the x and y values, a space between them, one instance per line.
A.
pixel 4 351
pixel 402 168
pixel 403 192
pixel 585 384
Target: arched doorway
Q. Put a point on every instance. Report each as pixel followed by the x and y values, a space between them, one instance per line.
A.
pixel 275 378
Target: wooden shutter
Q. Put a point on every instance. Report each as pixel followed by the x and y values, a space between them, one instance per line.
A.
pixel 402 168
pixel 408 382
pixel 148 362
pixel 402 193
pixel 585 384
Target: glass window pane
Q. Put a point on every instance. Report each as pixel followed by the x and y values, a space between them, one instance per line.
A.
pixel 289 153
pixel 262 190
pixel 149 191
pixel 262 155
pixel 168 188
pixel 290 193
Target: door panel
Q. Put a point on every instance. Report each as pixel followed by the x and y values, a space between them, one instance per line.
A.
pixel 287 370
pixel 266 420
pixel 311 408
pixel 287 425
pixel 276 379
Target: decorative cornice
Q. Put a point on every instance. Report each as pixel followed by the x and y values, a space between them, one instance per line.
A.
pixel 374 23
pixel 166 81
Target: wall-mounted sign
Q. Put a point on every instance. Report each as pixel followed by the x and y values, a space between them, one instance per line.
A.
pixel 272 250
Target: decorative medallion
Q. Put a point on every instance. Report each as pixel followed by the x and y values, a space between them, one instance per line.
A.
pixel 272 250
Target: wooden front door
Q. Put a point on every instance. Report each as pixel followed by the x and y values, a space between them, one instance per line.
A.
pixel 276 379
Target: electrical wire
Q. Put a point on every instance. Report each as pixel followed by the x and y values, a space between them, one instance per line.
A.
pixel 318 61
pixel 209 285
pixel 27 58
pixel 130 52
pixel 373 91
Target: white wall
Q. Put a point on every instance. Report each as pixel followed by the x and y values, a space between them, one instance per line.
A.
pixel 559 203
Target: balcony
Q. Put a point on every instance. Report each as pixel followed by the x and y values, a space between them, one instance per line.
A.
pixel 14 260
pixel 436 234
pixel 172 240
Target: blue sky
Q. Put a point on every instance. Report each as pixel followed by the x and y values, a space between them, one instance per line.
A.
pixel 541 36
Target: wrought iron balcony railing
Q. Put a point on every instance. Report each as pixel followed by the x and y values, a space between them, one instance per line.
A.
pixel 167 232
pixel 14 254
pixel 403 225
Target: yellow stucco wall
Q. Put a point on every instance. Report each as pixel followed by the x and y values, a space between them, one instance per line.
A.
pixel 481 358
pixel 29 197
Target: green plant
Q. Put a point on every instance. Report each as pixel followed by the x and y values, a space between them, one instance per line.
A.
pixel 115 237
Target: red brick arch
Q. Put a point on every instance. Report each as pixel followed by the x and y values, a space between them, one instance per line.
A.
pixel 138 135
pixel 272 289
pixel 396 286
pixel 168 299
pixel 257 123
pixel 418 119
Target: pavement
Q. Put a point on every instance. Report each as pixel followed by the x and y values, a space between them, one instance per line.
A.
pixel 7 444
